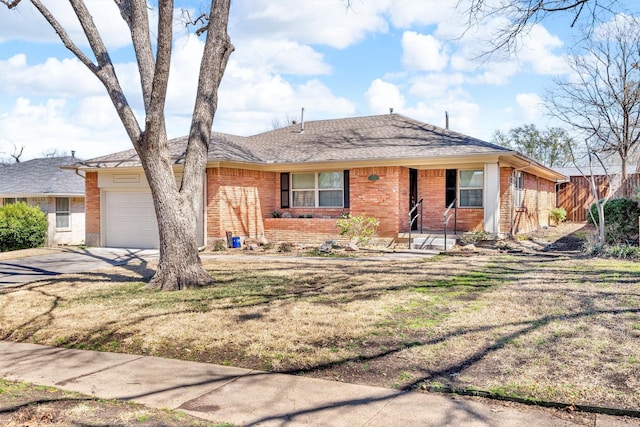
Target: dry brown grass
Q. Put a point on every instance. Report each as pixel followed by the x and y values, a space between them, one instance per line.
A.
pixel 27 405
pixel 24 253
pixel 542 326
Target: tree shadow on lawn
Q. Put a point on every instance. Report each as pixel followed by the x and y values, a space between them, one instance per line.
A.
pixel 474 277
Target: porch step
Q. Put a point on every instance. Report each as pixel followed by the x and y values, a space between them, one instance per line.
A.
pixel 429 239
pixel 433 242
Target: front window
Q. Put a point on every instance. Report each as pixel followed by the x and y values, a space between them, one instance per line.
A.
pixel 321 189
pixel 470 187
pixel 63 212
pixel 12 200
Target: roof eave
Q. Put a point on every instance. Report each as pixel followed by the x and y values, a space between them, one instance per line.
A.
pixel 522 162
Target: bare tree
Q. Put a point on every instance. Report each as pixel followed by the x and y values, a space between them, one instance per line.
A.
pixel 601 97
pixel 179 266
pixel 16 154
pixel 54 152
pixel 600 197
pixel 522 14
pixel 288 120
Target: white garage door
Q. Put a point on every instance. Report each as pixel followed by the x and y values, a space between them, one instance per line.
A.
pixel 130 220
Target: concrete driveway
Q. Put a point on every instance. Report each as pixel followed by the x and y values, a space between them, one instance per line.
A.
pixel 24 270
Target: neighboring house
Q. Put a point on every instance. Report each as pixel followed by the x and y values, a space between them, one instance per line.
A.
pixel 58 192
pixel 576 195
pixel 312 173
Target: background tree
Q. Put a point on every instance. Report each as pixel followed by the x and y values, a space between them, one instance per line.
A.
pixel 175 205
pixel 522 14
pixel 14 155
pixel 551 147
pixel 54 152
pixel 601 97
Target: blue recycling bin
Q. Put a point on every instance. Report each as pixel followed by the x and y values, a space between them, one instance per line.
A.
pixel 235 242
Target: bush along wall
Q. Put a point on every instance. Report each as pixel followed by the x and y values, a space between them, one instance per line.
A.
pixel 22 227
pixel 620 220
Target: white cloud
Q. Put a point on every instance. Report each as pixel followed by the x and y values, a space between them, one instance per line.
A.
pixel 54 125
pixel 327 22
pixel 409 13
pixel 381 96
pixel 66 77
pixel 463 111
pixel 26 23
pixel 531 105
pixel 423 52
pixel 435 84
pixel 281 56
pixel 537 51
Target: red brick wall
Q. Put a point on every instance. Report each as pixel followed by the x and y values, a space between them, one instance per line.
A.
pixel 539 197
pixel 431 188
pixel 303 230
pixel 242 201
pixel 92 209
pixel 505 200
pixel 239 200
pixel 386 198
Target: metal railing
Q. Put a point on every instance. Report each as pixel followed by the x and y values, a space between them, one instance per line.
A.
pixel 413 218
pixel 446 216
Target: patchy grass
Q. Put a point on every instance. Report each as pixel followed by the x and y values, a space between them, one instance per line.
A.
pixel 539 326
pixel 23 404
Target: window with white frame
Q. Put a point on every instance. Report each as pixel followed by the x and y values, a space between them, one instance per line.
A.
pixel 13 200
pixel 470 187
pixel 63 213
pixel 518 189
pixel 319 189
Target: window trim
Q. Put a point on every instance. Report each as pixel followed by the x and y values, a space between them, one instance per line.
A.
pixel 462 188
pixel 13 200
pixel 518 189
pixel 67 212
pixel 317 190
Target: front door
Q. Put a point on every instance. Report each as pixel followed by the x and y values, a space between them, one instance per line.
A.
pixel 413 197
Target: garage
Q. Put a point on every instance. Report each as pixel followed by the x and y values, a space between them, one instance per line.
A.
pixel 130 220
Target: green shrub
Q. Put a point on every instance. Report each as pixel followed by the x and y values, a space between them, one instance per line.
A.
pixel 286 247
pixel 558 215
pixel 620 220
pixel 613 251
pixel 22 227
pixel 359 228
pixel 473 237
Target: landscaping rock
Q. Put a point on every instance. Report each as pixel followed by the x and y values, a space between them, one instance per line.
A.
pixel 352 247
pixel 326 247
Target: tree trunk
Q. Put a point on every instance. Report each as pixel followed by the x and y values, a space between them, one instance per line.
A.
pixel 179 266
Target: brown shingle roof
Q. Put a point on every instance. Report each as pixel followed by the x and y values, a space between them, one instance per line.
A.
pixel 389 136
pixel 40 177
pixel 364 138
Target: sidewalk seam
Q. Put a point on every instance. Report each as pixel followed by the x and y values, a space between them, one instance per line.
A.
pixel 69 380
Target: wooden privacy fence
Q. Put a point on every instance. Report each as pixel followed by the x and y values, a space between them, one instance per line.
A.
pixel 576 196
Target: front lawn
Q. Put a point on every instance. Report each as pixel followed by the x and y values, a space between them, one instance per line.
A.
pixel 541 326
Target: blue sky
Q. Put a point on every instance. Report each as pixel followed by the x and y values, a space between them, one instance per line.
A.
pixel 317 54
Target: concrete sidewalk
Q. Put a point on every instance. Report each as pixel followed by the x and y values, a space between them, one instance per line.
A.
pixel 253 398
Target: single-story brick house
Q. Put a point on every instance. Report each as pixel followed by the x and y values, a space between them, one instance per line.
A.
pixel 58 192
pixel 293 183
